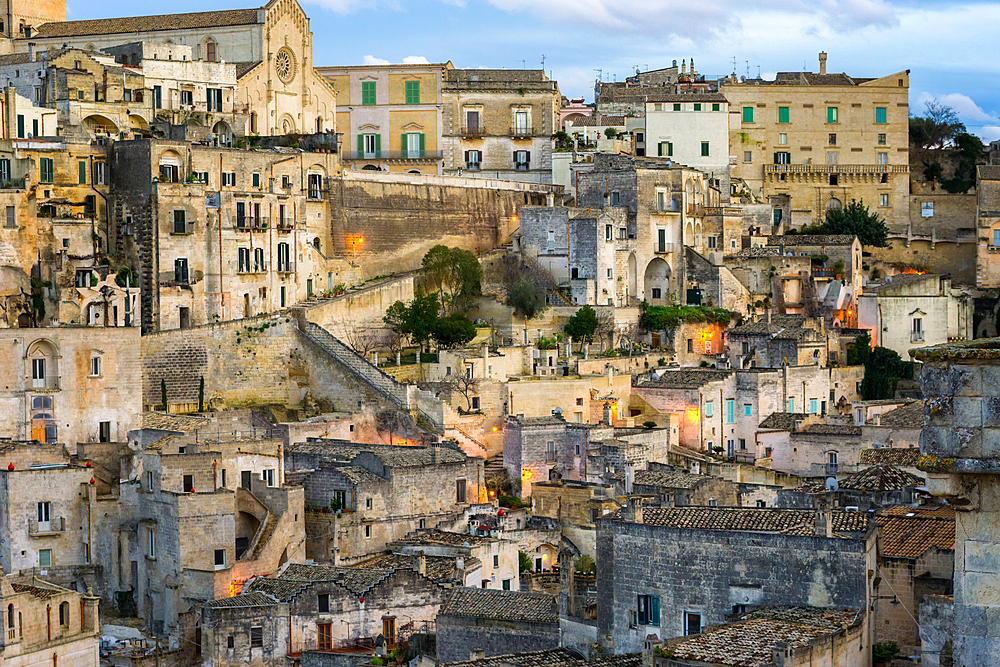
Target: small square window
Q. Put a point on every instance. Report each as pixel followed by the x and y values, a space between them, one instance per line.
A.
pixel 230 642
pixel 782 138
pixel 368 532
pixel 748 156
pixel 256 637
pixel 368 503
pixel 220 558
pixel 881 139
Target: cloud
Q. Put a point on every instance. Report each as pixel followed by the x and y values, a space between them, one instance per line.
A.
pixel 415 60
pixel 851 15
pixel 372 60
pixel 989 133
pixel 962 104
pixel 408 60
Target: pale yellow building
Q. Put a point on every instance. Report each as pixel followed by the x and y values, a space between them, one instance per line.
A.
pixel 271 47
pixel 988 221
pixel 809 143
pixel 390 116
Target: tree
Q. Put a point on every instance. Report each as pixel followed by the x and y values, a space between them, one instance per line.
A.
pixel 585 565
pixel 606 326
pixel 362 337
pixel 395 422
pixel 857 220
pixel 526 299
pixel 883 369
pixel 454 330
pixel 523 563
pixel 858 353
pixel 610 133
pixel 970 150
pixel 418 320
pixel 465 384
pixel 582 324
pixel 935 129
pixel 457 273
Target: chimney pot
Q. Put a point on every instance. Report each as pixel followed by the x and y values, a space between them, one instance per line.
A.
pixel 822 62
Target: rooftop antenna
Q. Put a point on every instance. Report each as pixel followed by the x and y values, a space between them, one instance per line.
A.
pixel 748 68
pixel 600 73
pixel 523 64
pixel 734 64
pixel 543 62
pixel 758 71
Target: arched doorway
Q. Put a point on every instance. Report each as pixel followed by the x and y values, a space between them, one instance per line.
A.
pixel 631 280
pixel 833 204
pixel 656 281
pixel 100 126
pixel 223 134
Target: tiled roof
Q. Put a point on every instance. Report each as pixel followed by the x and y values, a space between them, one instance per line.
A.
pixel 34 591
pixel 161 421
pixel 553 657
pixel 256 599
pixel 832 429
pixel 911 537
pixel 296 477
pixel 670 480
pixel 762 326
pixel 359 476
pixel 782 421
pixel 138 24
pixel 297 577
pixel 810 79
pixel 448 538
pixel 391 455
pixel 933 511
pixel 601 121
pixel 811 239
pixel 502 605
pixel 880 477
pixel 244 68
pixel 540 421
pixel 749 641
pixel 757 251
pixel 689 378
pixel 898 456
pixel 686 97
pixel 892 283
pixel 749 519
pixel 15 59
pixel 989 172
pixel 908 416
pixel 439 568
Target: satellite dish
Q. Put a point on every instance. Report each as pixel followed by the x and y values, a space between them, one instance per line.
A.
pixel 831 484
pixel 877 445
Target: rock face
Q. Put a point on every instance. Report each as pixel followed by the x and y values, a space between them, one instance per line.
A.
pixel 960 444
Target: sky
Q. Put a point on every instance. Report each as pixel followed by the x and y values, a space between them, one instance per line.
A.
pixel 944 43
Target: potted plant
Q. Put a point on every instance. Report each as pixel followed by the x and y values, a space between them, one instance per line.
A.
pixel 883 653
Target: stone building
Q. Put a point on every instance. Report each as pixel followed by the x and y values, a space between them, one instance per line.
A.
pixel 959 383
pixel 317 608
pixel 988 226
pixel 498 123
pixel 382 492
pixel 912 310
pixel 675 488
pixel 577 506
pixel 390 116
pixel 789 636
pixel 218 233
pixel 496 623
pixel 48 624
pixel 68 387
pixel 669 207
pixel 21 18
pixel 809 143
pixel 498 556
pixel 815 446
pixel 774 341
pixel 743 558
pixel 917 552
pixel 693 129
pixel 554 657
pixel 271 46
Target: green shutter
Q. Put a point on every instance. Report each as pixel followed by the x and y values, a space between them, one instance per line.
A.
pixel 782 114
pixel 20 126
pixel 405 146
pixel 361 145
pixel 715 107
pixel 34 127
pixel 659 149
pixel 422 143
pixel 670 149
pixel 82 169
pixel 831 114
pixel 697 106
pixel 368 95
pixel 413 92
pixel 747 114
pixel 378 145
pixel 881 116
pixel 677 107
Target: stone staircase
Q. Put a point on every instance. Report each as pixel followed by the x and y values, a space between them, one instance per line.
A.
pixel 470 445
pixel 383 384
pixel 543 276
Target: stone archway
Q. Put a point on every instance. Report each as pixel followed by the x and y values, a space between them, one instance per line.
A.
pixel 656 282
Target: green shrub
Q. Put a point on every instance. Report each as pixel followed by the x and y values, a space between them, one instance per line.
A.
pixel 585 565
pixel 377 661
pixel 656 318
pixel 649 424
pixel 884 651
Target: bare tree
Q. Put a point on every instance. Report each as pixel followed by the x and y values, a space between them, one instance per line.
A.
pixel 466 385
pixel 395 422
pixel 630 335
pixel 362 337
pixel 606 326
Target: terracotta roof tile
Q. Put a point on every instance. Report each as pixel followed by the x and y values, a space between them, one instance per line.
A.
pixel 908 416
pixel 898 456
pixel 553 657
pixel 133 24
pixel 911 536
pixel 247 600
pixel 811 240
pixel 782 421
pixel 748 519
pixel 161 421
pixel 932 511
pixel 881 477
pixel 439 568
pixel 502 605
pixel 669 480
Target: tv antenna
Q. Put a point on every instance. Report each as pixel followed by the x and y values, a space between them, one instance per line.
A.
pixel 523 64
pixel 734 64
pixel 543 62
pixel 748 68
pixel 600 73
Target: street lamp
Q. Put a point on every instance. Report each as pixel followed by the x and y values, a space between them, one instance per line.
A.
pixel 355 242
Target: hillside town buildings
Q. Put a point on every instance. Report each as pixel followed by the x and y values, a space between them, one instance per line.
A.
pixel 319 363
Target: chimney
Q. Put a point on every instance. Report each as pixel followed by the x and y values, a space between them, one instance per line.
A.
pixel 824 524
pixel 628 479
pixel 420 563
pixel 632 512
pixel 460 570
pixel 477 654
pixel 435 453
pixel 31 52
pixel 822 62
pixel 550 200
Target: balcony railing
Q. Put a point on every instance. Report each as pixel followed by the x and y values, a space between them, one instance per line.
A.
pixel 12 184
pixel 836 169
pixel 246 224
pixel 993 249
pixel 287 224
pixel 916 336
pixel 672 206
pixel 831 469
pixel 823 273
pixel 56 525
pixel 522 132
pixel 695 209
pixel 474 131
pixel 288 267
pixel 393 155
pixel 663 248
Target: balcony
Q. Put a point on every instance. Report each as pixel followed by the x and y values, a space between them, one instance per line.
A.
pixel 836 169
pixel 12 184
pixel 247 224
pixel 393 155
pixel 916 336
pixel 287 224
pixel 522 132
pixel 37 528
pixel 664 248
pixel 993 249
pixel 672 206
pixel 823 273
pixel 696 209
pixel 286 267
pixel 474 131
pixel 831 469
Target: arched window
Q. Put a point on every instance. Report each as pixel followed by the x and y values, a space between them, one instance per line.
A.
pixel 10 617
pixel 64 614
pixel 211 51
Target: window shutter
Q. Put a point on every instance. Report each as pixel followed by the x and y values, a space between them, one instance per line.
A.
pixel 514 158
pixel 378 145
pixel 406 145
pixel 421 144
pixel 654 609
pixel 527 157
pixel 467 156
pixel 361 145
pixel 659 149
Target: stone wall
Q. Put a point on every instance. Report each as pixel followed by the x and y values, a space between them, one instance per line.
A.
pixel 731 567
pixel 458 636
pixel 400 221
pixel 958 259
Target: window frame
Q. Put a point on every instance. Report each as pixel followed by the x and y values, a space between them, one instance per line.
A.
pixel 369 93
pixel 747 115
pixel 412 91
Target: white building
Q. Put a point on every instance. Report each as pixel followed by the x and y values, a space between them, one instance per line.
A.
pixel 691 129
pixel 910 310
